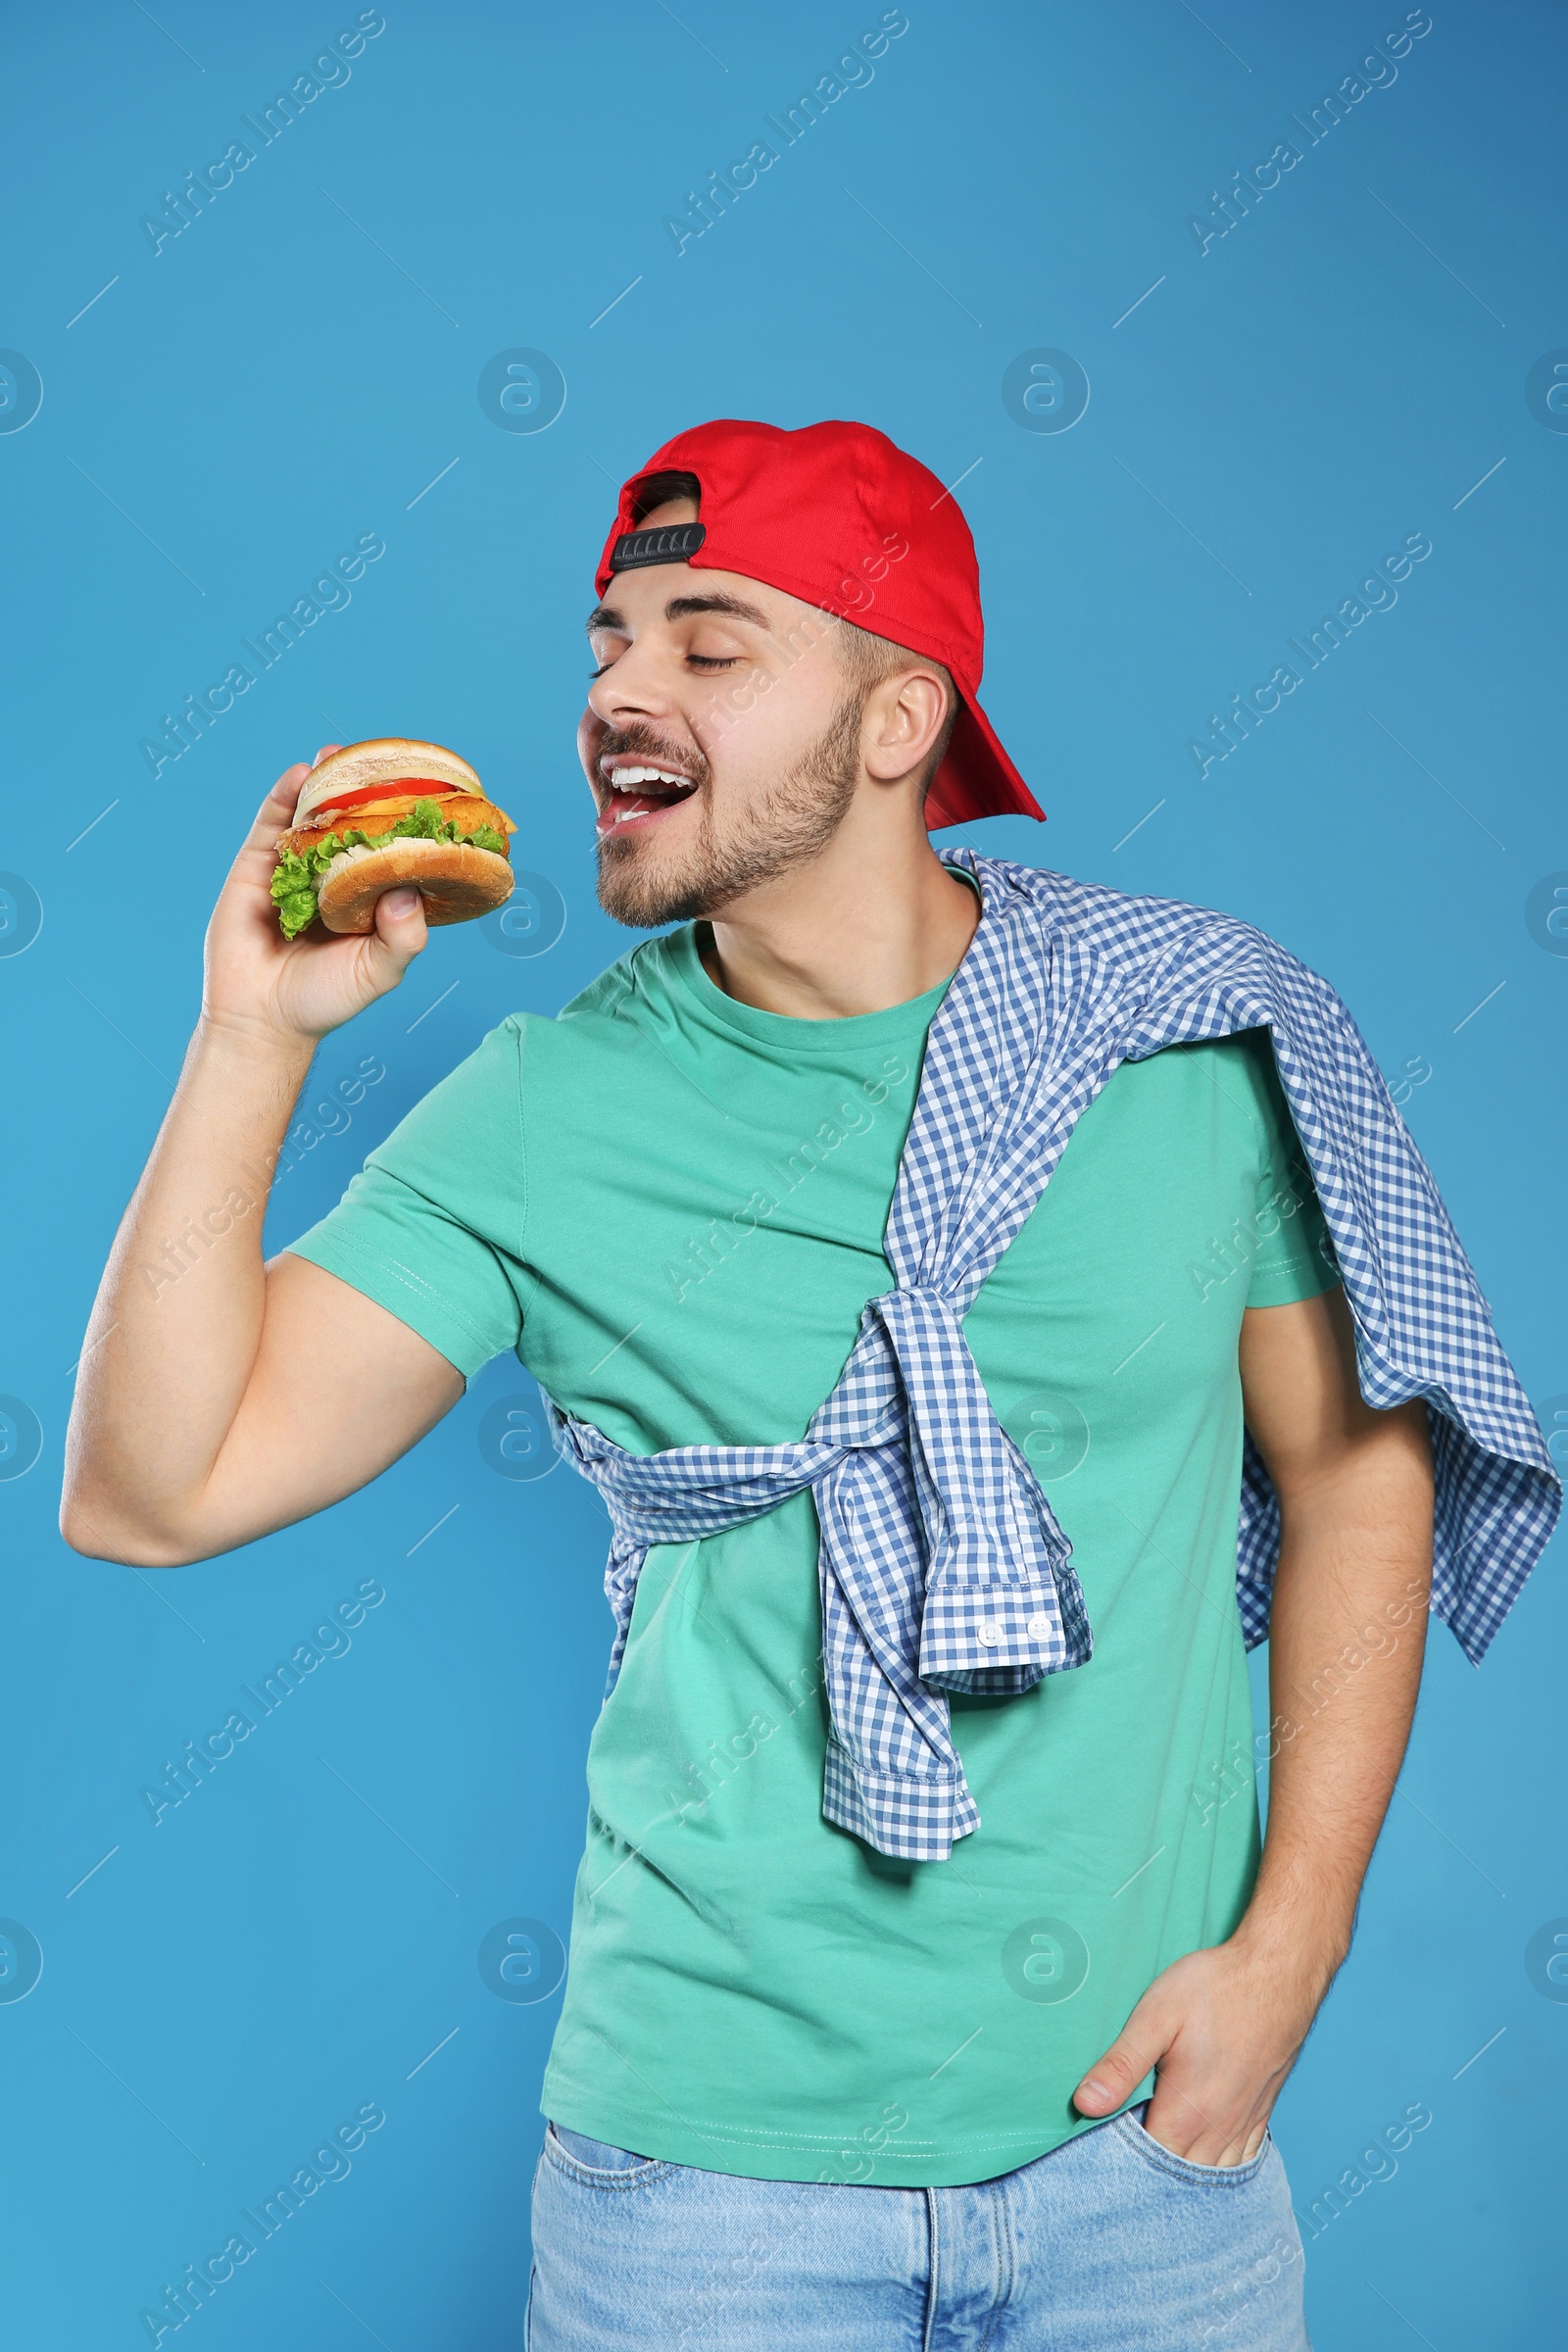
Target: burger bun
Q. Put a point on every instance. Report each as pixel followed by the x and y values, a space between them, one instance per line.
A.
pixel 455 881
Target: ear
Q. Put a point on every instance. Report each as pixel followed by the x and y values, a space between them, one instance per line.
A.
pixel 902 719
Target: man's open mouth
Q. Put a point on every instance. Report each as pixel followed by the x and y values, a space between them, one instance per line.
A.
pixel 637 791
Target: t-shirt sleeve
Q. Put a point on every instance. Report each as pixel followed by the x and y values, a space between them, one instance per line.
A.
pixel 1293 1255
pixel 432 1226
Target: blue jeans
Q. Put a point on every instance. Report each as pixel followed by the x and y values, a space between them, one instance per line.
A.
pixel 1108 2244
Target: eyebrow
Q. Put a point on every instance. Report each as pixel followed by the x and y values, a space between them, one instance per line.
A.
pixel 682 608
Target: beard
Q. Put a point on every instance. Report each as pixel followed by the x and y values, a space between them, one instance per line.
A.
pixel 780 828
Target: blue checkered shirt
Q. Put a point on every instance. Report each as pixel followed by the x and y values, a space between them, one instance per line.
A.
pixel 942 1564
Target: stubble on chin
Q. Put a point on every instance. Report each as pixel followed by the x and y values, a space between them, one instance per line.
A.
pixel 637 887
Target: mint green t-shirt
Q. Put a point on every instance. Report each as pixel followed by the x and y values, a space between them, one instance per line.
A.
pixel 672 1205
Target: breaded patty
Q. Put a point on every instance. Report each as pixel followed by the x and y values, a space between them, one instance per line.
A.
pixel 469 812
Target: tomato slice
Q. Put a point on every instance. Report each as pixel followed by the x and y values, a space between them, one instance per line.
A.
pixel 427 788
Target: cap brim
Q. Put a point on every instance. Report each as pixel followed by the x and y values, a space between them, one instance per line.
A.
pixel 976 777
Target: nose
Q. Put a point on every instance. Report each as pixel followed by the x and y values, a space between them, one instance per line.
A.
pixel 633 687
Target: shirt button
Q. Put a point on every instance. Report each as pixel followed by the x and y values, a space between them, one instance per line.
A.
pixel 1040 1626
pixel 990 1633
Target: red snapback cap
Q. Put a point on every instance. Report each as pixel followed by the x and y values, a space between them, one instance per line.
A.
pixel 840 517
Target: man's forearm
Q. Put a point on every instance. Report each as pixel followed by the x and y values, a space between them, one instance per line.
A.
pixel 1346 1643
pixel 178 1319
pixel 1223 2026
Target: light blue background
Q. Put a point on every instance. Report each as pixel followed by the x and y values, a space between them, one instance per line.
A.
pixel 1277 415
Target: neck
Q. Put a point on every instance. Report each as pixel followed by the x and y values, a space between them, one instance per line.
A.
pixel 872 920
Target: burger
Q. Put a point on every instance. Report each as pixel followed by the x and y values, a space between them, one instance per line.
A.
pixel 376 815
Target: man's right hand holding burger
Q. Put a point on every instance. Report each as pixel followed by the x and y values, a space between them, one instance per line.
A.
pixel 261 1394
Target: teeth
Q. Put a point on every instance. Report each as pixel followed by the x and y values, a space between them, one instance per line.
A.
pixel 623 778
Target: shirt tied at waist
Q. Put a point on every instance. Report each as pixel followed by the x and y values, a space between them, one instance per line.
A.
pixel 940 1562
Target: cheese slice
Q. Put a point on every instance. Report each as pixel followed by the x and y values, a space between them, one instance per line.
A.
pixel 389 803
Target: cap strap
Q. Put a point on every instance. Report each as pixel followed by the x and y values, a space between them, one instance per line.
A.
pixel 671 545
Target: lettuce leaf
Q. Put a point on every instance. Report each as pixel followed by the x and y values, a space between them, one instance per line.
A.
pixel 296 876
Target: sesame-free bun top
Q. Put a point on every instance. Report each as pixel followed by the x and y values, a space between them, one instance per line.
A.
pixel 391 759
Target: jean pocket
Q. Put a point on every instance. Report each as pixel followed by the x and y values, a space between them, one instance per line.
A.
pixel 1152 2152
pixel 598 2164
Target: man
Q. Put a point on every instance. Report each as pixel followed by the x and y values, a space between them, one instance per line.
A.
pixel 946 1497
